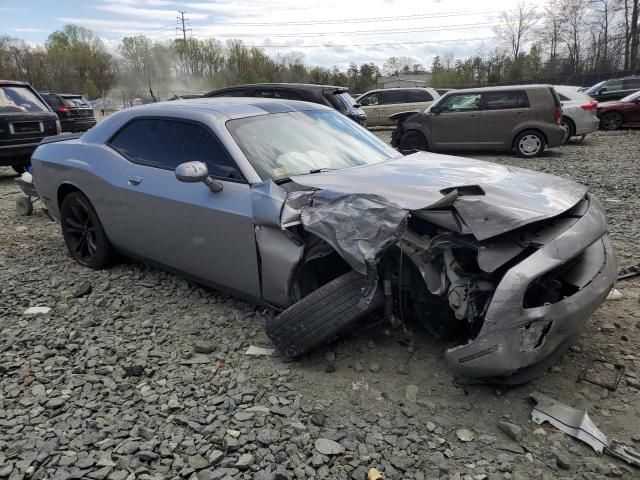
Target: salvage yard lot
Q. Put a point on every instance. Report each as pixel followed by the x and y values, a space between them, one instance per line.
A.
pixel 137 371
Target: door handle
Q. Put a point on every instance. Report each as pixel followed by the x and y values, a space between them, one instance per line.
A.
pixel 520 114
pixel 135 181
pixel 473 116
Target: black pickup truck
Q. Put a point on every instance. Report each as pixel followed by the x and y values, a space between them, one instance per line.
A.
pixel 25 119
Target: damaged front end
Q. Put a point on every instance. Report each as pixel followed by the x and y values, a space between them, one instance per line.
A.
pixel 508 286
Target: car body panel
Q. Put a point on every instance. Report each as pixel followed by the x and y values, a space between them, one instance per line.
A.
pixel 585 121
pixel 482 128
pixel 379 112
pixel 21 130
pixel 320 94
pixel 249 238
pixel 614 89
pixel 512 196
pixel 630 111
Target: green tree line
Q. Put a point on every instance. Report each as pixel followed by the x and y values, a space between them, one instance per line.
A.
pixel 565 37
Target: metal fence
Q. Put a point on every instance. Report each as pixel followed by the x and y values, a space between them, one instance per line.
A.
pixel 578 80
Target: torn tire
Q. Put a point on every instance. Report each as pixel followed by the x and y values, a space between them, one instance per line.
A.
pixel 322 314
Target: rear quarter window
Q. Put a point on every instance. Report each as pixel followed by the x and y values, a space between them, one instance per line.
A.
pixel 505 100
pixel 414 96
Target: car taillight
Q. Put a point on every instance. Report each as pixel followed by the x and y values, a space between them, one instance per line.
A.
pixel 64 110
pixel 592 105
pixel 558 115
pixel 58 127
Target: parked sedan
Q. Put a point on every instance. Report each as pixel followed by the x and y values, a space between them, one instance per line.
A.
pixel 379 104
pixel 578 111
pixel 617 114
pixel 524 119
pixel 296 207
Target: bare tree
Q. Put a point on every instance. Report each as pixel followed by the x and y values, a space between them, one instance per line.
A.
pixel 604 10
pixel 516 27
pixel 634 33
pixel 575 12
pixel 551 32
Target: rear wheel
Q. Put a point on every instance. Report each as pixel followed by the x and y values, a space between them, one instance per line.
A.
pixel 529 144
pixel 611 121
pixel 322 314
pixel 413 140
pixel 569 127
pixel 83 233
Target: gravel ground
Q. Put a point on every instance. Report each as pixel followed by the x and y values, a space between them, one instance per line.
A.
pixel 137 373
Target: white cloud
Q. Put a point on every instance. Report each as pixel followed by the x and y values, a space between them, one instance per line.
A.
pixel 30 30
pixel 124 9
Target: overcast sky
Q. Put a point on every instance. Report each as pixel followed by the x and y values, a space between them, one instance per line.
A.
pixel 330 32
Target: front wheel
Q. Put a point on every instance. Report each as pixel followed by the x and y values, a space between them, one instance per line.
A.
pixel 83 233
pixel 529 144
pixel 413 140
pixel 611 121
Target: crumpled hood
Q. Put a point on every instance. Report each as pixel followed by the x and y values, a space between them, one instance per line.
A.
pixel 509 198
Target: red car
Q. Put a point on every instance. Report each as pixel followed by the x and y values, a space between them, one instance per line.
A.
pixel 623 112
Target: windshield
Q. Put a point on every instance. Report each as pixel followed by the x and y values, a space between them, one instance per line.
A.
pixel 346 101
pixel 284 144
pixel 17 99
pixel 594 88
pixel 631 97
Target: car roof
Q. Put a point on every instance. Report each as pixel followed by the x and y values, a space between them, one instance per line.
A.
pixel 300 86
pixel 399 88
pixel 503 88
pixel 234 107
pixel 14 83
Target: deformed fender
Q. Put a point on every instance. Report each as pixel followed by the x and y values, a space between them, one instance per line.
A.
pixel 280 253
pixel 360 227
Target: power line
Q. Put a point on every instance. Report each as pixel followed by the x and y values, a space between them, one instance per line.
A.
pixel 355 20
pixel 454 27
pixel 330 45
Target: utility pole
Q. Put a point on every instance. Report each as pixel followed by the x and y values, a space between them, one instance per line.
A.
pixel 181 27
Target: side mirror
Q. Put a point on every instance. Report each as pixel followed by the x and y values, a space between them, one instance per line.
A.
pixel 602 90
pixel 435 109
pixel 357 105
pixel 195 172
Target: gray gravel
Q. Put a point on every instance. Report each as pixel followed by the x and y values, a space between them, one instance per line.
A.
pixel 137 373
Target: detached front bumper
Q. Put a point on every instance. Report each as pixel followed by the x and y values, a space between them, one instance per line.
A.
pixel 514 339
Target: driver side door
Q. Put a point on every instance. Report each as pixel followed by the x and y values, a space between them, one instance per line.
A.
pixel 185 227
pixel 457 125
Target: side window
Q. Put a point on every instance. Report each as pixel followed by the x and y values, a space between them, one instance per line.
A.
pixel 564 98
pixel 631 84
pixel 369 100
pixel 229 93
pixel 462 102
pixel 505 100
pixel 390 97
pixel 413 96
pixel 53 101
pixel 613 85
pixel 166 144
pixel 282 94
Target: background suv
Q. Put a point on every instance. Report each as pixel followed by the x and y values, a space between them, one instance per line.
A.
pixel 525 119
pixel 379 104
pixel 335 97
pixel 614 89
pixel 74 112
pixel 25 119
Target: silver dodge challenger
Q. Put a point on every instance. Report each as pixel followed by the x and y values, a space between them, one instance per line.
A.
pixel 294 206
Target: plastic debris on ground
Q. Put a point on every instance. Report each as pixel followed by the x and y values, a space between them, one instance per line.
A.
pixel 577 424
pixel 615 294
pixel 260 351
